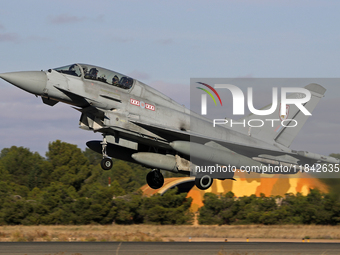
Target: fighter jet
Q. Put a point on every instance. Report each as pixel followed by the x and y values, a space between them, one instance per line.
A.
pixel 140 124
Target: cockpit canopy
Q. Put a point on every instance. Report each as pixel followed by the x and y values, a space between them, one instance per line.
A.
pixel 98 74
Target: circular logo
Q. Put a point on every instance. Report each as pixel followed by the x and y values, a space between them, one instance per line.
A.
pixel 142 104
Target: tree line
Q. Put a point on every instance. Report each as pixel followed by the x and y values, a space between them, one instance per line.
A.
pixel 68 186
pixel 315 208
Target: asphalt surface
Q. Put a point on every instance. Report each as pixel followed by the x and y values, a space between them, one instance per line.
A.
pixel 166 248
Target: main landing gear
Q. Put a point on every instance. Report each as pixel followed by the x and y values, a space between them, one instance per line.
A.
pixel 155 179
pixel 204 182
pixel 106 162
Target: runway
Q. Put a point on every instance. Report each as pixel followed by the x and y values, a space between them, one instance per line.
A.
pixel 166 248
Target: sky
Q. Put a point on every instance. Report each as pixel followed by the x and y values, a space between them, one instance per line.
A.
pixel 164 44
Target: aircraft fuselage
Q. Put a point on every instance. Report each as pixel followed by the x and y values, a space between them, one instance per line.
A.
pixel 142 125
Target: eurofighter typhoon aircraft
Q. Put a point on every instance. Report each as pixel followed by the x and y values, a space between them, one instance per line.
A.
pixel 141 125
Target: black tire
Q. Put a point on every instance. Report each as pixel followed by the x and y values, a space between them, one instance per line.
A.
pixel 155 179
pixel 204 182
pixel 106 163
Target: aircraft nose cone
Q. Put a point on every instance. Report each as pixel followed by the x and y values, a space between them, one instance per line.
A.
pixel 33 82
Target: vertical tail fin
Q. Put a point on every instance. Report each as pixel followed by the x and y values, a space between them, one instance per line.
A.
pixel 274 131
pixel 287 134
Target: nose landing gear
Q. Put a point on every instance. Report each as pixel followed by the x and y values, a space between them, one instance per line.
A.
pixel 155 179
pixel 106 162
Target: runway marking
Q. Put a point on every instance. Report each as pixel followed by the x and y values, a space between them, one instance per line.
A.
pixel 118 248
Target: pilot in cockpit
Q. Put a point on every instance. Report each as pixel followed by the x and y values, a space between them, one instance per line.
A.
pixel 125 82
pixel 92 74
pixel 115 80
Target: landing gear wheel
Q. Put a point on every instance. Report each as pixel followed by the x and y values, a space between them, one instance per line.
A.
pixel 106 163
pixel 204 182
pixel 155 179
